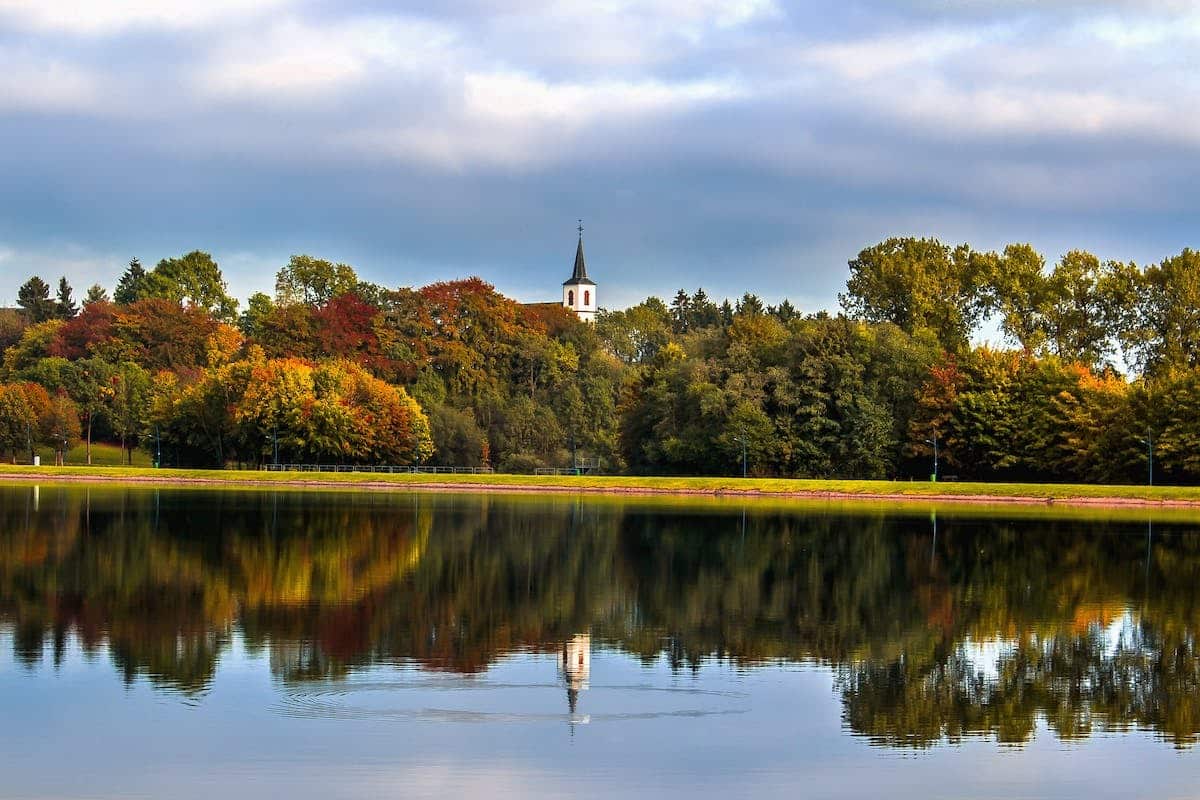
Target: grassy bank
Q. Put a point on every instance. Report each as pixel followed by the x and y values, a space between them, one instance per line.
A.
pixel 1024 492
pixel 103 455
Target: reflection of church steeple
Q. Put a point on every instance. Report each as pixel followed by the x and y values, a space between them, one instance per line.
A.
pixel 575 662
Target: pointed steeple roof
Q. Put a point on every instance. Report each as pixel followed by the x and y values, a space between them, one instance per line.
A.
pixel 579 275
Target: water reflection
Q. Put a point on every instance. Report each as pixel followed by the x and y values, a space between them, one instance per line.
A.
pixel 936 628
pixel 575 665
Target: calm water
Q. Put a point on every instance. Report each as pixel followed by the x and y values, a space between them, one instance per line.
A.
pixel 259 644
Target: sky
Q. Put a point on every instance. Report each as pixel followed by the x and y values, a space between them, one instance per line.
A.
pixel 731 144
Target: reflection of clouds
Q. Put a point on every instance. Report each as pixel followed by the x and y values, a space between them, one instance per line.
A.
pixel 1113 634
pixel 386 699
pixel 983 657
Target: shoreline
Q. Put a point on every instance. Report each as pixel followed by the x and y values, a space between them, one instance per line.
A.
pixel 973 494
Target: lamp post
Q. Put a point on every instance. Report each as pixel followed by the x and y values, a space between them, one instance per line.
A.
pixel 1149 442
pixel 157 448
pixel 934 442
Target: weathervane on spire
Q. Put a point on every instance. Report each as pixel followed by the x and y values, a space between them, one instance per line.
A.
pixel 580 229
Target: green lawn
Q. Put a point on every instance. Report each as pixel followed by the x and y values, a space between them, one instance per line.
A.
pixel 766 486
pixel 103 455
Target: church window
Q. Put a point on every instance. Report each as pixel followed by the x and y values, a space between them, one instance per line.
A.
pixel 570 297
pixel 587 297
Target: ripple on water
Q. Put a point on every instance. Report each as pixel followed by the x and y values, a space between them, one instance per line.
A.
pixel 472 700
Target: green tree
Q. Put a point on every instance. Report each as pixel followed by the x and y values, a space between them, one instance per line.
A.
pixel 129 411
pixel 1167 333
pixel 95 294
pixel 1076 312
pixel 132 285
pixel 920 284
pixel 1019 293
pixel 90 385
pixel 193 279
pixel 313 281
pixel 65 306
pixel 637 333
pixel 34 298
pixel 254 319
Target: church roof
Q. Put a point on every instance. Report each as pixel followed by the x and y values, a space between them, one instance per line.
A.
pixel 579 276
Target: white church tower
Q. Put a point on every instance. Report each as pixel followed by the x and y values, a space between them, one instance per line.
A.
pixel 579 291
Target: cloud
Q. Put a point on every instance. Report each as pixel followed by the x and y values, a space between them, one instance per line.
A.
pixel 31 83
pixel 867 59
pixel 295 58
pixel 100 17
pixel 707 140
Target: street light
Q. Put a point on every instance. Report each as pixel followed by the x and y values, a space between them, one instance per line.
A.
pixel 1149 442
pixel 934 442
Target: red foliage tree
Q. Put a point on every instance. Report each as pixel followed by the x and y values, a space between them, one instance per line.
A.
pixel 81 335
pixel 163 334
pixel 345 329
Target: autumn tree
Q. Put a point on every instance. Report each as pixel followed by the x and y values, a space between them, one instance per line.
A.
pixel 60 426
pixel 24 409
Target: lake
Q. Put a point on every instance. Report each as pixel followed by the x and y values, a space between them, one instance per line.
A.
pixel 189 643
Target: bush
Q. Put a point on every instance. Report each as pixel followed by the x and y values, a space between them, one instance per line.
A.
pixel 521 464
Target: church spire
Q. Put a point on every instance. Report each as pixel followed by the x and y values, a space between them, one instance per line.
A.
pixel 579 275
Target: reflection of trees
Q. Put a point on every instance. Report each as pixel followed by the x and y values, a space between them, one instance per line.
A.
pixel 996 624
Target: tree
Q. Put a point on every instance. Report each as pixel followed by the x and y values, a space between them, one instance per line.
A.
pixel 1075 311
pixel 88 332
pixel 920 284
pixel 785 311
pixel 750 304
pixel 193 279
pixel 457 438
pixel 65 306
pixel 681 312
pixel 130 407
pixel 22 407
pixel 161 334
pixel 90 385
pixel 61 426
pixel 258 310
pixel 345 327
pixel 12 324
pixel 34 298
pixel 95 294
pixel 704 312
pixel 1167 332
pixel 1019 293
pixel 313 281
pixel 36 343
pixel 332 411
pixel 637 333
pixel 132 285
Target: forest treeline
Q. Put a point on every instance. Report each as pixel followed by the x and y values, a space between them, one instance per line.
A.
pixel 1098 364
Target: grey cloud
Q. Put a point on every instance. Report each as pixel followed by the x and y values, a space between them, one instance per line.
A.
pixel 757 151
